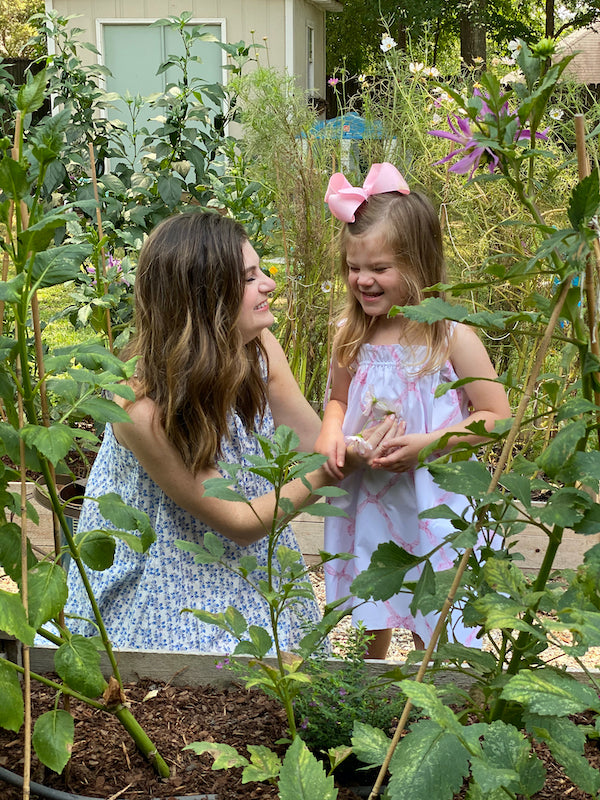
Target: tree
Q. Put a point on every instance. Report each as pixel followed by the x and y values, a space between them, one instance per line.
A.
pixel 15 29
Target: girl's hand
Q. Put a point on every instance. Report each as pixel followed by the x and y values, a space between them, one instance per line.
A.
pixel 365 452
pixel 401 452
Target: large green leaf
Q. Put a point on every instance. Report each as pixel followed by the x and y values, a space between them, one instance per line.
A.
pixel 53 442
pixel 385 574
pixel 561 448
pixel 59 264
pixel 126 518
pixel 96 548
pixel 32 94
pixel 103 410
pixel 550 693
pixel 10 551
pixel 302 776
pixel 577 767
pixel 13 619
pixel 264 764
pixel 224 755
pixel 506 760
pixel 470 478
pixel 428 763
pixel 12 707
pixel 47 592
pixel 170 189
pixel 370 745
pixel 585 199
pixel 52 739
pixel 13 178
pixel 77 661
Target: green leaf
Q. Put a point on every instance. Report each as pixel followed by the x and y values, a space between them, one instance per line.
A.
pixel 53 739
pixel 10 551
pixel 224 756
pixel 13 619
pixel 385 574
pixel 53 442
pixel 506 760
pixel 428 763
pixel 47 592
pixel 470 478
pixel 77 661
pixel 302 776
pixel 96 548
pixel 549 693
pixel 59 264
pixel 577 767
pixel 585 199
pixel 103 410
pixel 370 745
pixel 261 640
pixel 126 518
pixel 561 448
pixel 13 178
pixel 170 189
pixel 12 707
pixel 32 94
pixel 264 764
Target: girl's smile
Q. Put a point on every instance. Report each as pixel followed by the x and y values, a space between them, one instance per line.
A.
pixel 374 276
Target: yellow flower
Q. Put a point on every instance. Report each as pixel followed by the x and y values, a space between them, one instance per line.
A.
pixel 273 270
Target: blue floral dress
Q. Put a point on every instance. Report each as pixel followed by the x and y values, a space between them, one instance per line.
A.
pixel 141 596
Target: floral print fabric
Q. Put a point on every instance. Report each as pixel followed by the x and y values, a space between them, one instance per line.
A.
pixel 141 596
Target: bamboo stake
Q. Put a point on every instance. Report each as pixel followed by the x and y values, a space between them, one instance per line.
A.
pixel 100 235
pixel 506 450
pixel 583 166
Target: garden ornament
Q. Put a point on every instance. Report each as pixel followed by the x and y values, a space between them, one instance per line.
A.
pixel 344 199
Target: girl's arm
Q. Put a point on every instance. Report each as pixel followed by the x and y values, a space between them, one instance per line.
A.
pixel 331 439
pixel 288 404
pixel 487 399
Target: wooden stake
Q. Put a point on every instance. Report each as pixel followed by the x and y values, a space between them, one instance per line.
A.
pixel 100 235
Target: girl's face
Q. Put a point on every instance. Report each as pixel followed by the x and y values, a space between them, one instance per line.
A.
pixel 374 276
pixel 255 314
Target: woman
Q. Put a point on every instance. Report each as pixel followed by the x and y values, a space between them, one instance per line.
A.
pixel 209 375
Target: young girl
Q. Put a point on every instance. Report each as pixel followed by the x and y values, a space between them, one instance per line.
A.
pixel 391 250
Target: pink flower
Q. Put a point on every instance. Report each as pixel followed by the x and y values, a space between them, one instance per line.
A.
pixel 333 81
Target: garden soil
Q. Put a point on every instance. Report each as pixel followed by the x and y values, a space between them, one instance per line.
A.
pixel 106 764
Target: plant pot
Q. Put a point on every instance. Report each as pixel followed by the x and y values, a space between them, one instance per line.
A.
pixel 67 490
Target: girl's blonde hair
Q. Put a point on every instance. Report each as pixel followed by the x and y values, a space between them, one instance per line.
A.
pixel 411 229
pixel 192 361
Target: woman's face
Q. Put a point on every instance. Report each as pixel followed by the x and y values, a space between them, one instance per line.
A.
pixel 255 313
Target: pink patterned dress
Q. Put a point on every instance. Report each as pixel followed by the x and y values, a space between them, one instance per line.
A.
pixel 384 506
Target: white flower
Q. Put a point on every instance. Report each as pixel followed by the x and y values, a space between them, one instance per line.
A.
pixel 431 72
pixel 360 445
pixel 515 47
pixel 516 76
pixel 507 61
pixel 415 67
pixel 556 113
pixel 326 287
pixel 387 43
pixel 436 119
pixel 362 78
pixel 375 407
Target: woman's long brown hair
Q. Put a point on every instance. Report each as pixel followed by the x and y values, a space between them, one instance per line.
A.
pixel 411 229
pixel 192 361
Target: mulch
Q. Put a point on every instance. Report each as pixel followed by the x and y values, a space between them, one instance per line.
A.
pixel 106 764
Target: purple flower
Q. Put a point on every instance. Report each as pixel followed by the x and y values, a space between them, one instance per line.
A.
pixel 472 148
pixel 343 692
pixel 304 724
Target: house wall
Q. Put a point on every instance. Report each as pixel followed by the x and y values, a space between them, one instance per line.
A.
pixel 280 24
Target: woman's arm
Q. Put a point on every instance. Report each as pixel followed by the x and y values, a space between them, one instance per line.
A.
pixel 288 404
pixel 146 439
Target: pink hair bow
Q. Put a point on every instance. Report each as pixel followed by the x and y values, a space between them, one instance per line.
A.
pixel 344 199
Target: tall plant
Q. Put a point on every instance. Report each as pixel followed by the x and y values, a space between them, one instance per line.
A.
pixel 41 394
pixel 520 697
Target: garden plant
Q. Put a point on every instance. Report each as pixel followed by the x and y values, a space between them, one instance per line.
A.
pixel 525 200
